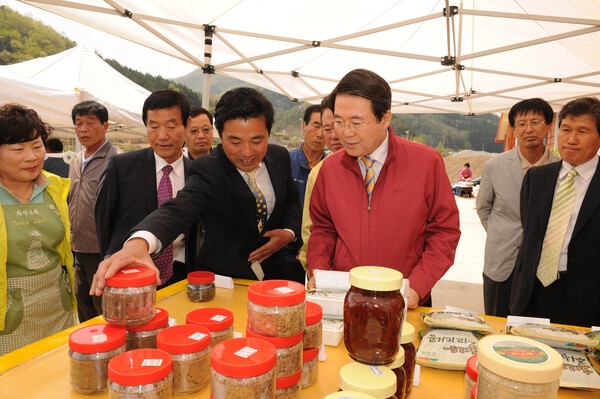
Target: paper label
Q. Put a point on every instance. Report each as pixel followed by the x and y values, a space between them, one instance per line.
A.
pixel 152 362
pixel 99 338
pixel 246 352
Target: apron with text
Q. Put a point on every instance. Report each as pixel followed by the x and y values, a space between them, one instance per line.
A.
pixel 39 293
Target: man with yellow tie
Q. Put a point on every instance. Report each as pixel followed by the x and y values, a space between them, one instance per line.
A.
pixel 557 268
pixel 384 200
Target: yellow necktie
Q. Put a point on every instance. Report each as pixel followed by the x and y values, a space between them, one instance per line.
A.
pixel 547 271
pixel 261 203
pixel 369 176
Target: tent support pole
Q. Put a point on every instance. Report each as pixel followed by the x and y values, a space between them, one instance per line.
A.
pixel 208 68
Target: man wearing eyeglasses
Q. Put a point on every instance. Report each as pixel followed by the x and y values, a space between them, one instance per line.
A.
pixel 404 216
pixel 498 204
pixel 199 135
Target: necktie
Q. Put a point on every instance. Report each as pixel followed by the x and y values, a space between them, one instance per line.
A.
pixel 560 214
pixel 261 204
pixel 164 261
pixel 369 176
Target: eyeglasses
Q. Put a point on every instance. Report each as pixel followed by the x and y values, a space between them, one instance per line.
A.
pixel 339 125
pixel 534 123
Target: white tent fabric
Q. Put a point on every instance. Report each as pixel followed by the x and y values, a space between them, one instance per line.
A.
pixel 79 75
pixel 459 56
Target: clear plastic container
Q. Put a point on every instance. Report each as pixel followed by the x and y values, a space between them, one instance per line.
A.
pixel 243 368
pixel 145 336
pixel 189 347
pixel 410 355
pixel 377 381
pixel 310 367
pixel 90 350
pixel 218 320
pixel 289 387
pixel 396 367
pixel 129 298
pixel 140 374
pixel 289 352
pixel 470 376
pixel 373 314
pixel 200 286
pixel 276 308
pixel 517 367
pixel 313 332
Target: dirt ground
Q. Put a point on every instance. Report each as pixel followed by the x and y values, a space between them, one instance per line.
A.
pixel 456 162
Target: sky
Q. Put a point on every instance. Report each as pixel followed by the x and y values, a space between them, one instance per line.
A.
pixel 108 46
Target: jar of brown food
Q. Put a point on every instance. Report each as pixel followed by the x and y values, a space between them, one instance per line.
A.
pixel 141 374
pixel 373 314
pixel 145 336
pixel 313 332
pixel 289 387
pixel 200 286
pixel 129 298
pixel 310 366
pixel 90 350
pixel 410 355
pixel 289 352
pixel 218 320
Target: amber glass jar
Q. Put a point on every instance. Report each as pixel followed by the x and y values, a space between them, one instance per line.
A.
pixel 373 314
pixel 410 355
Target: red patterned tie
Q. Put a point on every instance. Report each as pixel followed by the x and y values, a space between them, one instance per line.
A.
pixel 164 261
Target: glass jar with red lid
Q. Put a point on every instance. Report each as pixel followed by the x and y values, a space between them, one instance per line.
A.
pixel 310 366
pixel 189 347
pixel 289 352
pixel 243 368
pixel 218 320
pixel 200 286
pixel 373 314
pixel 313 332
pixel 145 336
pixel 90 350
pixel 141 373
pixel 276 308
pixel 289 387
pixel 129 298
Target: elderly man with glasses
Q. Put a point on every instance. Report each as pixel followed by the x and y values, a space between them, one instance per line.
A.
pixel 384 200
pixel 498 204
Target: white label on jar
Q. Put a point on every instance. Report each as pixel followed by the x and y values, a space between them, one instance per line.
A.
pixel 218 317
pixel 129 271
pixel 152 362
pixel 99 338
pixel 376 370
pixel 284 290
pixel 246 352
pixel 197 336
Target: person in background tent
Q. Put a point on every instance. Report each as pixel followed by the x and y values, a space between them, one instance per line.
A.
pixel 55 164
pixel 134 184
pixel 497 202
pixel 90 119
pixel 466 174
pixel 227 190
pixel 37 280
pixel 365 207
pixel 199 135
pixel 556 271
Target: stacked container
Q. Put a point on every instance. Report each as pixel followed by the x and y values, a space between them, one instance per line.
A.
pixel 145 336
pixel 140 373
pixel 218 320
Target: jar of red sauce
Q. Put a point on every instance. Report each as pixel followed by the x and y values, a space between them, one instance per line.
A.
pixel 410 355
pixel 373 314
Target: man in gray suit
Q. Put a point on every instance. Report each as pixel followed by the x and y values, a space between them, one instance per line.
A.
pixel 498 204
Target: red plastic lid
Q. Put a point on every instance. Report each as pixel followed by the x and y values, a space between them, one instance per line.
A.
pixel 243 357
pixel 279 342
pixel 200 277
pixel 132 276
pixel 309 354
pixel 276 293
pixel 286 382
pixel 472 368
pixel 96 338
pixel 314 313
pixel 160 319
pixel 184 338
pixel 139 367
pixel 215 319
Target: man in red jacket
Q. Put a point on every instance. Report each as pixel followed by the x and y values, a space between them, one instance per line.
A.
pixel 384 201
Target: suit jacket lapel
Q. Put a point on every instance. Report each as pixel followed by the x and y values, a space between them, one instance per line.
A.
pixel 146 171
pixel 590 203
pixel 546 194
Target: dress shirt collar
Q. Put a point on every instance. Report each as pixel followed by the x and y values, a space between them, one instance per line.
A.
pixel 160 163
pixel 585 170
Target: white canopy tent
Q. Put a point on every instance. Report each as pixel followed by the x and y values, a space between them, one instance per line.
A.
pixel 453 56
pixel 75 75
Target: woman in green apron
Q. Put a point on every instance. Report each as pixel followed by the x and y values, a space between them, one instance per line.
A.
pixel 36 262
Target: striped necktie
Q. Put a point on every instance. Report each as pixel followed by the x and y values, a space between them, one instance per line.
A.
pixel 261 203
pixel 547 271
pixel 369 176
